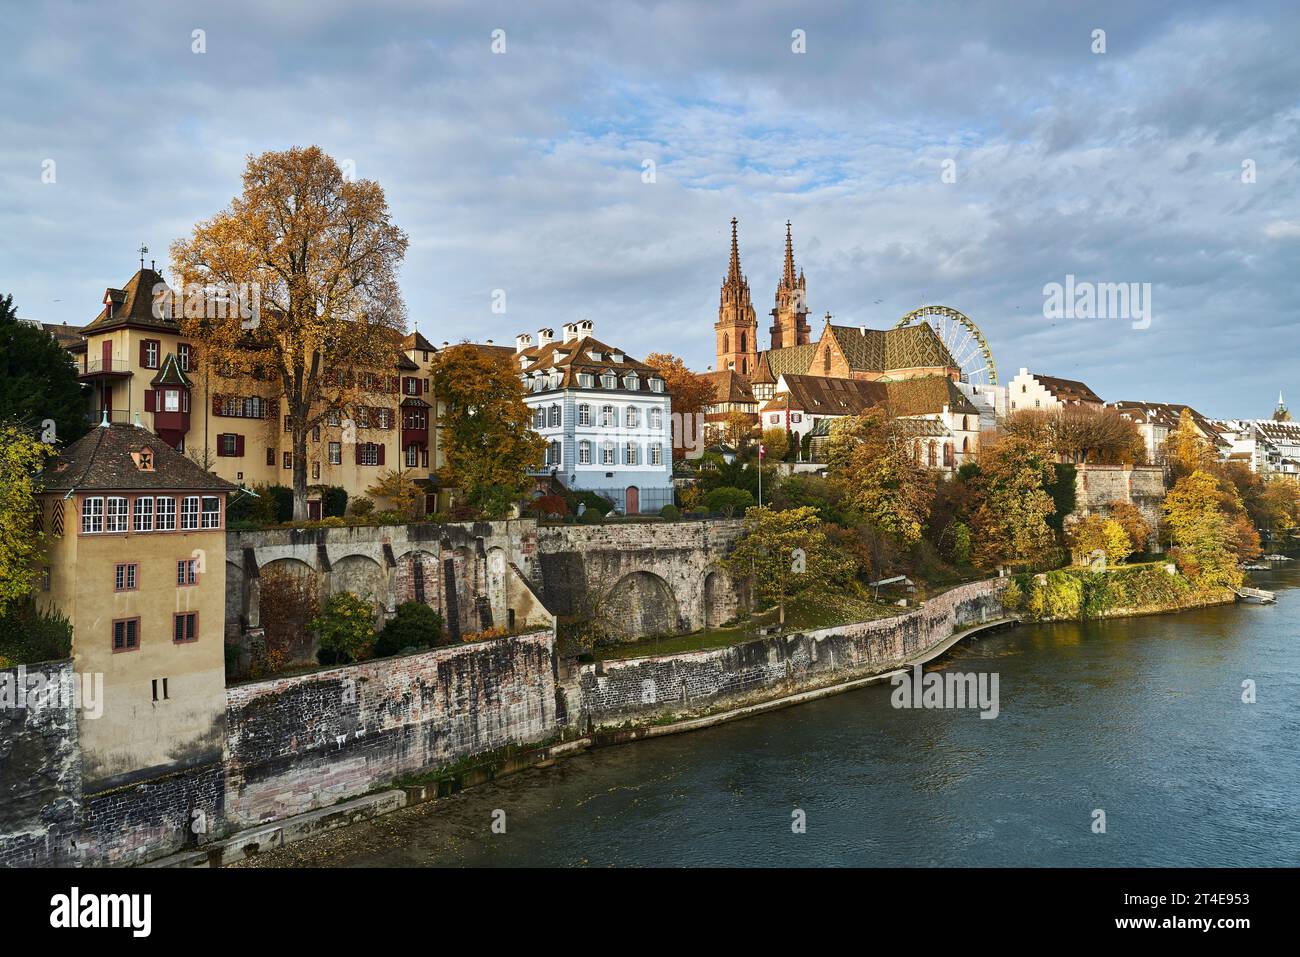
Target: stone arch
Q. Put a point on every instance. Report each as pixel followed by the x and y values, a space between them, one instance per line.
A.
pixel 292 565
pixel 641 604
pixel 418 578
pixel 361 575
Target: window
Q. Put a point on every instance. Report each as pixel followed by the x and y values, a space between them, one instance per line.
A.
pixel 947 454
pixel 92 515
pixel 656 385
pixel 315 433
pixel 774 418
pixel 631 453
pixel 171 400
pixel 124 577
pixel 117 512
pixel 555 415
pixel 183 354
pixel 315 471
pixel 539 418
pixel 383 421
pixel 370 454
pixel 607 416
pixel 126 634
pixel 633 417
pixel 632 382
pixel 332 418
pixel 187 572
pixel 190 512
pixel 288 427
pixel 584 414
pixel 656 418
pixel 185 627
pixel 586 380
pixel 211 511
pixel 288 460
pixel 166 514
pixel 932 458
pixel 228 444
pixel 607 454
pixel 656 454
pixel 155 689
pixel 336 453
pixel 609 380
pixel 363 417
pixel 270 457
pixel 412 456
pixel 151 350
pixel 584 453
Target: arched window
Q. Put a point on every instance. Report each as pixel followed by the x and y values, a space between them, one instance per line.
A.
pixel 555 415
pixel 539 418
pixel 656 418
pixel 965 445
pixel 584 453
pixel 916 451
pixel 743 341
pixel 584 414
pixel 631 455
pixel 947 455
pixel 965 423
pixel 607 416
pixel 826 361
pixel 633 417
pixel 726 343
pixel 933 457
pixel 607 454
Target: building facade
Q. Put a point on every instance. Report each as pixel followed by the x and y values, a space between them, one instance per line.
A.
pixel 136 561
pixel 606 417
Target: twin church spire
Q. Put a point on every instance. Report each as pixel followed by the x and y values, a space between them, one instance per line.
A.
pixel 737 325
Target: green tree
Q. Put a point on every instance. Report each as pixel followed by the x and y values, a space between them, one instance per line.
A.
pixel 485 427
pixel 728 501
pixel 869 456
pixel 38 379
pixel 346 627
pixel 415 625
pixel 784 555
pixel 22 456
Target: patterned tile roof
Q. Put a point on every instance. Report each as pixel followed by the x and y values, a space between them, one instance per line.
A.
pixel 108 459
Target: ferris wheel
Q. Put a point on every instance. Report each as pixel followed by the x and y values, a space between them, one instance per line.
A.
pixel 965 342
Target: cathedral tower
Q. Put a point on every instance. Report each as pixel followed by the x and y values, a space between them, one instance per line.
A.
pixel 737 326
pixel 789 318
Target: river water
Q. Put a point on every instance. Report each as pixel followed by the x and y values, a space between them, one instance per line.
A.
pixel 1141 718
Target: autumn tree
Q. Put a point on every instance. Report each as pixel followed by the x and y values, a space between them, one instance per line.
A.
pixel 1201 530
pixel 1096 533
pixel 776 444
pixel 690 393
pixel 784 555
pixel 870 457
pixel 1186 449
pixel 1081 434
pixel 298 281
pixel 399 488
pixel 737 427
pixel 484 426
pixel 1130 519
pixel 22 456
pixel 1009 523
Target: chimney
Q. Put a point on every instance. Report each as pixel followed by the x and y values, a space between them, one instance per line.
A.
pixel 523 341
pixel 545 337
pixel 586 327
pixel 570 330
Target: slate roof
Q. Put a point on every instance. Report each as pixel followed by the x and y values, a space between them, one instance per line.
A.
pixel 102 461
pixel 1167 415
pixel 131 305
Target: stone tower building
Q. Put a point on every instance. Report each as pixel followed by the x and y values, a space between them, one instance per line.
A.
pixel 789 318
pixel 737 325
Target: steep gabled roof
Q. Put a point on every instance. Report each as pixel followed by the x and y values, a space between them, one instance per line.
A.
pixel 132 305
pixel 415 341
pixel 1067 390
pixel 171 373
pixel 106 459
pixel 880 350
pixel 729 387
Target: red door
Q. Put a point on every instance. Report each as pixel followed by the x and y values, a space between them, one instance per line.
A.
pixel 633 500
pixel 313 511
pixel 107 353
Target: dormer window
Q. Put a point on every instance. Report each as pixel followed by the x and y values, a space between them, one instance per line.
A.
pixel 656 385
pixel 586 380
pixel 630 381
pixel 143 460
pixel 609 380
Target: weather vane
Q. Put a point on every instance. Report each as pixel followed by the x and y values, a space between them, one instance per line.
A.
pixel 143 251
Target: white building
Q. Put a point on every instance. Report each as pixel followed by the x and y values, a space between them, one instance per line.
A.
pixel 1031 390
pixel 606 417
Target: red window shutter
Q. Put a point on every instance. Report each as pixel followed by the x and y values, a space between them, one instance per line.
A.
pixel 357 449
pixel 221 444
pixel 239 445
pixel 149 400
pixel 381 453
pixel 143 344
pixel 216 404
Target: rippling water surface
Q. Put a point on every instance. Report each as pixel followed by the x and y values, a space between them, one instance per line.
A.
pixel 1142 718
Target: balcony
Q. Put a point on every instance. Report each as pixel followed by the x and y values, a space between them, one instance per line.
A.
pixel 114 366
pixel 115 416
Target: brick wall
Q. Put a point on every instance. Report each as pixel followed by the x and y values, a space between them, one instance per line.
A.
pixel 615 691
pixel 296 744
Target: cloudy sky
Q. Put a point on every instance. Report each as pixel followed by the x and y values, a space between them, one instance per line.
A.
pixel 524 170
